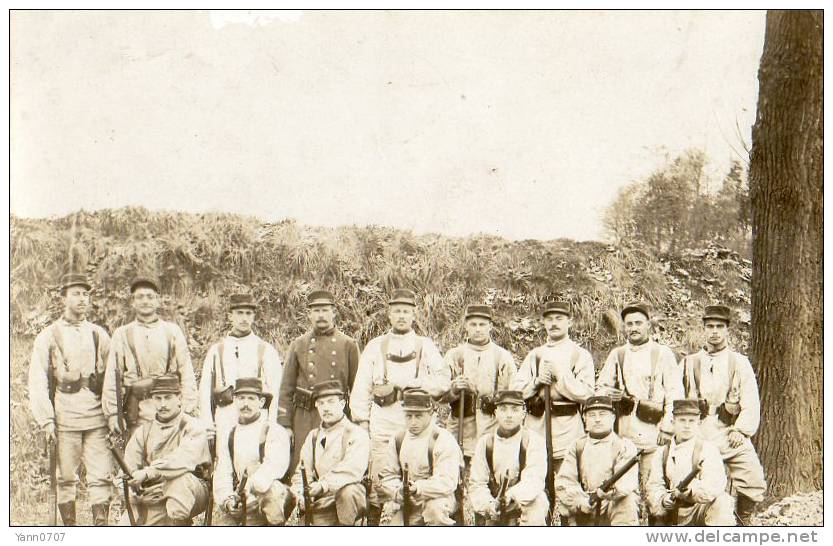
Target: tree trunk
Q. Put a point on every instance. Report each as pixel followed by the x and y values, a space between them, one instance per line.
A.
pixel 786 178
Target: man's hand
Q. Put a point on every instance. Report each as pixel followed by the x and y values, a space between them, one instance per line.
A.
pixel 152 495
pixel 316 490
pixel 605 495
pixel 584 505
pixel 113 424
pixel 460 383
pixel 210 431
pixel 492 508
pixel 735 438
pixel 142 475
pixel 232 506
pixel 544 376
pixel 669 501
pixel 664 438
pixel 48 431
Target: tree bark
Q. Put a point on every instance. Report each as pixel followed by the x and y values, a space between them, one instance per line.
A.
pixel 786 185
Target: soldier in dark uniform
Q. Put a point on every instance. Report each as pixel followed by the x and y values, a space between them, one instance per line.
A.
pixel 323 353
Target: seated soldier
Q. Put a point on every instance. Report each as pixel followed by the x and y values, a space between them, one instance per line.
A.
pixel 589 462
pixel 509 468
pixel 167 458
pixel 432 459
pixel 251 463
pixel 335 458
pixel 687 482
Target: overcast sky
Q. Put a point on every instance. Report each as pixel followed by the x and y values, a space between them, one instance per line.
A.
pixel 517 124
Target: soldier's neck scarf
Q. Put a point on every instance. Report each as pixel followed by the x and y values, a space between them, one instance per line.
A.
pixel 74 322
pixel 712 350
pixel 239 336
pixel 479 344
pixel 599 435
pixel 508 433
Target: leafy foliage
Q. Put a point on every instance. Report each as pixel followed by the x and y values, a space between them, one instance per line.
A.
pixel 676 207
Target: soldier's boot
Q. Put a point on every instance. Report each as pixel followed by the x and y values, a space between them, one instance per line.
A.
pixel 744 509
pixel 101 514
pixel 67 510
pixel 375 516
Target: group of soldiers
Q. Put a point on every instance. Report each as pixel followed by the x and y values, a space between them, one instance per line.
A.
pixel 349 437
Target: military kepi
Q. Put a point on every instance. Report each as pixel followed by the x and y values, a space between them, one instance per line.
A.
pixel 482 311
pixel 514 398
pixel 416 400
pixel 320 297
pixel 598 402
pixel 718 312
pixel 560 307
pixel 689 406
pixel 248 385
pixel 636 307
pixel 241 301
pixel 144 281
pixel 74 279
pixel 166 384
pixel 403 295
pixel 327 388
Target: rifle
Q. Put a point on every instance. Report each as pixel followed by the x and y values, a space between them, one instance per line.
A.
pixel 550 485
pixel 611 481
pixel 121 439
pixel 241 495
pixel 461 494
pixel 51 446
pixel 502 515
pixel 127 475
pixel 51 453
pixel 681 489
pixel 307 497
pixel 212 452
pixel 406 496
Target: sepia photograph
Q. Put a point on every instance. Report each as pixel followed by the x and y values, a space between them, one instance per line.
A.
pixel 473 268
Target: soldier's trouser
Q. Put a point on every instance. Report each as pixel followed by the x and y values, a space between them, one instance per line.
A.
pixel 433 512
pixel 184 497
pixel 718 512
pixel 535 512
pixel 744 470
pixel 378 454
pixel 88 447
pixel 348 507
pixel 620 512
pixel 270 508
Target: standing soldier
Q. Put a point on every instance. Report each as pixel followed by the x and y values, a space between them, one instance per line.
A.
pixel 142 350
pixel 65 377
pixel 566 369
pixel 591 461
pixel 687 482
pixel 252 461
pixel 508 470
pixel 167 460
pixel 480 368
pixel 643 380
pixel 323 353
pixel 335 458
pixel 240 354
pixel 725 384
pixel 431 457
pixel 391 363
